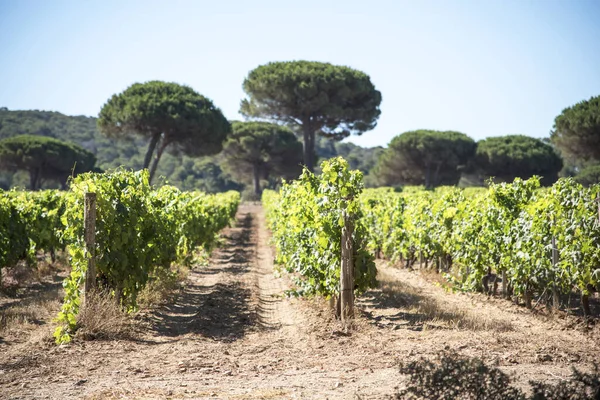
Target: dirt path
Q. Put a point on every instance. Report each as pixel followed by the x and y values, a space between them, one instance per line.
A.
pixel 527 346
pixel 230 334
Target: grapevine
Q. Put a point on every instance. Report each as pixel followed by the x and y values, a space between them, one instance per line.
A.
pixel 306 219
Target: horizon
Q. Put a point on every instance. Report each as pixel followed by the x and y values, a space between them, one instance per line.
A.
pixel 484 69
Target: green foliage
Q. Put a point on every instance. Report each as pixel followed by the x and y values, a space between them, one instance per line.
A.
pixel 454 377
pixel 516 156
pixel 318 98
pixel 306 219
pixel 432 158
pixel 44 158
pixel 14 243
pixel 589 175
pixel 205 175
pixel 506 228
pixel 168 115
pixel 576 131
pixel 138 230
pixel 360 158
pixel 258 150
pixel 29 222
pixel 76 129
pixel 41 212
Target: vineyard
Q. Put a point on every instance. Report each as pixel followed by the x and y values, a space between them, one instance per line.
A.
pixel 543 242
pixel 234 329
pixel 139 230
pixel 536 243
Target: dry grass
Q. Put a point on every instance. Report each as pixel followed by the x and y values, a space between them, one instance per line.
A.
pixel 164 284
pixel 437 279
pixel 16 276
pixel 399 301
pixel 421 308
pixel 102 318
pixel 45 268
pixel 19 317
pixel 23 275
pixel 32 301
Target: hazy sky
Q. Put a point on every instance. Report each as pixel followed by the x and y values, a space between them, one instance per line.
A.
pixel 482 67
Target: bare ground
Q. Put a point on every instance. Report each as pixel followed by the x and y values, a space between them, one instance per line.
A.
pixel 230 334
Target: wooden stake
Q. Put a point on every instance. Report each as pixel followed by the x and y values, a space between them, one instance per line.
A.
pixel 527 298
pixel 347 272
pixel 585 305
pixel 89 228
pixel 555 297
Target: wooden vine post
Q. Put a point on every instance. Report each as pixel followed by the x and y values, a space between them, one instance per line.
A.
pixel 598 202
pixel 555 297
pixel 89 229
pixel 347 271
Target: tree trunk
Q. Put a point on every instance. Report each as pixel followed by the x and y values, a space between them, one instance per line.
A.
pixel 256 180
pixel 34 176
pixel 309 145
pixel 427 177
pixel 527 298
pixel 159 153
pixel 151 146
pixel 436 175
pixel 311 151
pixel 119 295
pixel 585 305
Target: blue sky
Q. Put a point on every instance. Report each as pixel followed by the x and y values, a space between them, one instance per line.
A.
pixel 482 67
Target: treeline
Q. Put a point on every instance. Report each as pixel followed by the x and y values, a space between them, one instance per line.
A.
pixel 296 112
pixel 436 158
pixel 209 173
pixel 187 173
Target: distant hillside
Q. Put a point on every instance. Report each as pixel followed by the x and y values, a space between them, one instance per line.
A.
pixel 80 129
pixel 185 172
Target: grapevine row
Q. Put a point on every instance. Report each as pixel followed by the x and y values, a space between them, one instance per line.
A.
pixel 508 229
pixel 138 230
pixel 29 222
